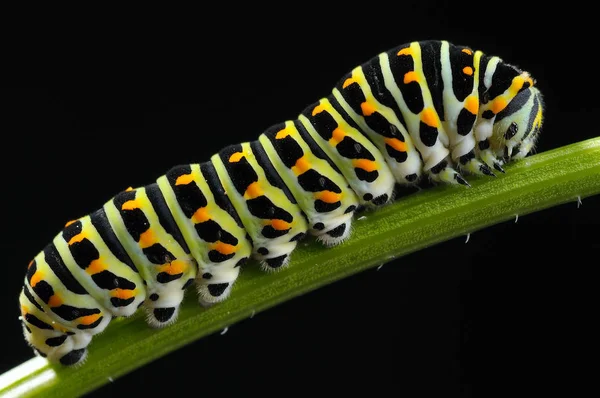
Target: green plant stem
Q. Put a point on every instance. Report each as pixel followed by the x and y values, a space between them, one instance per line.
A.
pixel 420 220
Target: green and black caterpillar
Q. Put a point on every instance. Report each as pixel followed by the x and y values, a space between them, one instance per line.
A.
pixel 426 109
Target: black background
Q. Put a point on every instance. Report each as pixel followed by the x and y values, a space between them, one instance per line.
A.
pixel 511 310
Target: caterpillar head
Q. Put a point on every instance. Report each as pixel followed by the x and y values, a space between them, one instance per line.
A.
pixel 516 127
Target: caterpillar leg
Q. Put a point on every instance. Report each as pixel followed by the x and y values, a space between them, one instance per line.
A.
pixel 472 165
pixel 335 235
pixel 489 157
pixel 276 256
pixel 211 292
pixel 162 309
pixel 444 172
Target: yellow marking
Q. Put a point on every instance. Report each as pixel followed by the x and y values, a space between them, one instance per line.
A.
pixel 337 136
pixel 301 166
pixel 130 205
pixel 530 80
pixel 405 51
pixel 367 108
pixel 410 77
pixel 538 117
pixel 224 248
pixel 55 301
pixel 472 104
pixel 95 267
pixel 236 157
pixel 365 164
pixel 348 82
pixel 328 196
pixel 36 278
pixel 123 294
pixel 516 85
pixel 147 238
pixel 467 51
pixel 253 191
pixel 498 104
pixel 69 223
pixel 77 238
pixel 89 319
pixel 396 144
pixel 282 134
pixel 429 117
pixel 201 215
pixel 129 189
pixel 184 179
pixel 467 70
pixel 173 268
pixel 280 225
pixel 317 109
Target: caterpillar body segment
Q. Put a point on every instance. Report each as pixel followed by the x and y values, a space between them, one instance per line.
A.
pixel 321 191
pixel 357 158
pixel 268 211
pixel 426 109
pixel 210 225
pixel 384 126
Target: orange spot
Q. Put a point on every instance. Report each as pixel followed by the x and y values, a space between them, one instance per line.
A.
pixel 280 225
pixel 337 136
pixel 201 215
pixel 301 165
pixel 429 117
pixel 317 109
pixel 236 157
pixel 467 51
pixel 129 189
pixel 282 134
pixel 365 164
pixel 224 248
pixel 348 82
pixel 122 293
pixel 173 268
pixel 472 104
pixel 467 70
pixel 405 51
pixel 95 267
pixel 498 104
pixel 147 238
pixel 89 319
pixel 77 238
pixel 69 223
pixel 396 144
pixel 367 108
pixel 328 196
pixel 130 205
pixel 55 301
pixel 253 191
pixel 36 278
pixel 23 311
pixel 410 77
pixel 184 179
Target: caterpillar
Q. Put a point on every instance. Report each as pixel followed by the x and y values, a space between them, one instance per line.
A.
pixel 423 110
